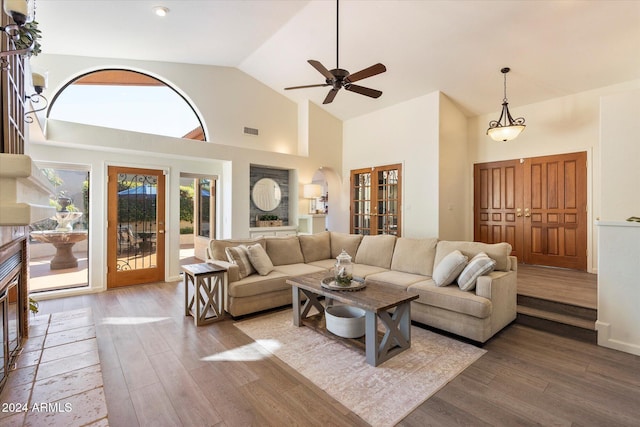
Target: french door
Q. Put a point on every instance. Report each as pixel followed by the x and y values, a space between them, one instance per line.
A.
pixel 135 227
pixel 538 205
pixel 376 200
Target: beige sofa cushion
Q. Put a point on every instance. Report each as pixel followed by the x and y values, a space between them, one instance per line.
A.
pixel 414 255
pixel 376 250
pixel 348 242
pixel 397 279
pixel 258 285
pixel 364 270
pixel 498 251
pixel 451 298
pixel 325 264
pixel 217 247
pixel 315 247
pixel 284 250
pixel 298 269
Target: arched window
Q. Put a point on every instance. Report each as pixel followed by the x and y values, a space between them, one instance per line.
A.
pixel 128 100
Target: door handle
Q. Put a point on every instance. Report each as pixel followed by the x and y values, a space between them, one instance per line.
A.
pixel 527 213
pixel 518 212
pixel 160 231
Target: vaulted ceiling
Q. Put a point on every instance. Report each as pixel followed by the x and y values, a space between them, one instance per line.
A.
pixel 554 48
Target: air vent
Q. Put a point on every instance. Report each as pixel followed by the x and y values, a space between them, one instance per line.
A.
pixel 250 131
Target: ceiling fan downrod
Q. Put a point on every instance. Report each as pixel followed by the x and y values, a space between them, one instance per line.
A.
pixel 337 34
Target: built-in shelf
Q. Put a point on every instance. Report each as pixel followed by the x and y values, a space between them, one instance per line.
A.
pixel 312 223
pixel 287 230
pixel 24 191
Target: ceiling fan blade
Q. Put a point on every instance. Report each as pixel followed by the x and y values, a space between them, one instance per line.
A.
pixel 332 94
pixel 321 68
pixel 306 86
pixel 373 93
pixel 367 72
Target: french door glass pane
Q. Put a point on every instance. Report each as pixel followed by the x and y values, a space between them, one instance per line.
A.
pixel 375 201
pixel 137 221
pixel 204 207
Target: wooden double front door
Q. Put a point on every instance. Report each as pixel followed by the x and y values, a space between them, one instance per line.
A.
pixel 538 205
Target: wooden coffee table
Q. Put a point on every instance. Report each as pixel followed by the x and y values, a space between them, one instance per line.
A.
pixel 391 306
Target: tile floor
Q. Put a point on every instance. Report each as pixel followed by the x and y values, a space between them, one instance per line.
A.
pixel 57 380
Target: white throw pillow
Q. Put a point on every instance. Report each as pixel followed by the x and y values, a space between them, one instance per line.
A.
pixel 259 259
pixel 239 255
pixel 449 268
pixel 479 265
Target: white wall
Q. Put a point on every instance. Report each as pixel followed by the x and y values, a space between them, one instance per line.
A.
pixel 561 125
pixel 406 133
pixel 620 158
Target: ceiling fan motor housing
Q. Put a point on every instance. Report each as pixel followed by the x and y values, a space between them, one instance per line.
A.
pixel 339 75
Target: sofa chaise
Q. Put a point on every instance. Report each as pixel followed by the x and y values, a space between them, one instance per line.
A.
pixel 427 267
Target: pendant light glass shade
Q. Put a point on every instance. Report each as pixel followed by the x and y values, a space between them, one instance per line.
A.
pixel 506 127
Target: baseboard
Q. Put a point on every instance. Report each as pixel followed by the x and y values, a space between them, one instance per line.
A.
pixel 605 340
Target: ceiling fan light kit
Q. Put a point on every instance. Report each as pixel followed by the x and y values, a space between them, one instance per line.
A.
pixel 339 78
pixel 506 127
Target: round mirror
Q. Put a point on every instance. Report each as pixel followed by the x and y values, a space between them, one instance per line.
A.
pixel 266 194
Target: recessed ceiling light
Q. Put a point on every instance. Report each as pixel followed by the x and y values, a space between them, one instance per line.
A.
pixel 160 10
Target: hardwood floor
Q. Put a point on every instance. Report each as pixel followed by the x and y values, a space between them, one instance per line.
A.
pixel 558 300
pixel 573 287
pixel 154 374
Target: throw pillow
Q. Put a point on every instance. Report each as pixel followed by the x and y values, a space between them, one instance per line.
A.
pixel 449 268
pixel 259 259
pixel 479 265
pixel 240 256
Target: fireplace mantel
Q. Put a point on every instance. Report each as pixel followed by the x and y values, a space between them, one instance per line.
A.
pixel 24 191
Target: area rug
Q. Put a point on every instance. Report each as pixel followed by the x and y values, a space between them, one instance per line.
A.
pixel 382 395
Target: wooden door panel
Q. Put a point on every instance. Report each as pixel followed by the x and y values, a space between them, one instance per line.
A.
pixel 555 196
pixel 496 196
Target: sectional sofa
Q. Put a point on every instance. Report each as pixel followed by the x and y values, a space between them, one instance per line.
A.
pixel 420 266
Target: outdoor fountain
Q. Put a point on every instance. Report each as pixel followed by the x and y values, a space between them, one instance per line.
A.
pixel 63 237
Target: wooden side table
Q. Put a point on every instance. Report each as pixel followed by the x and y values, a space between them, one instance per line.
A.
pixel 204 292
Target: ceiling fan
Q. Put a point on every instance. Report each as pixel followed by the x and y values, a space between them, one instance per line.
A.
pixel 339 78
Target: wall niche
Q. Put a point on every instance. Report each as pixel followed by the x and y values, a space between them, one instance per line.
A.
pixel 281 177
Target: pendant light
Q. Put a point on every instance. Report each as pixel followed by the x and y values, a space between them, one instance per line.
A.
pixel 506 127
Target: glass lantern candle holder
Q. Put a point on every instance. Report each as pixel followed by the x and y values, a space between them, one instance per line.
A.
pixel 343 269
